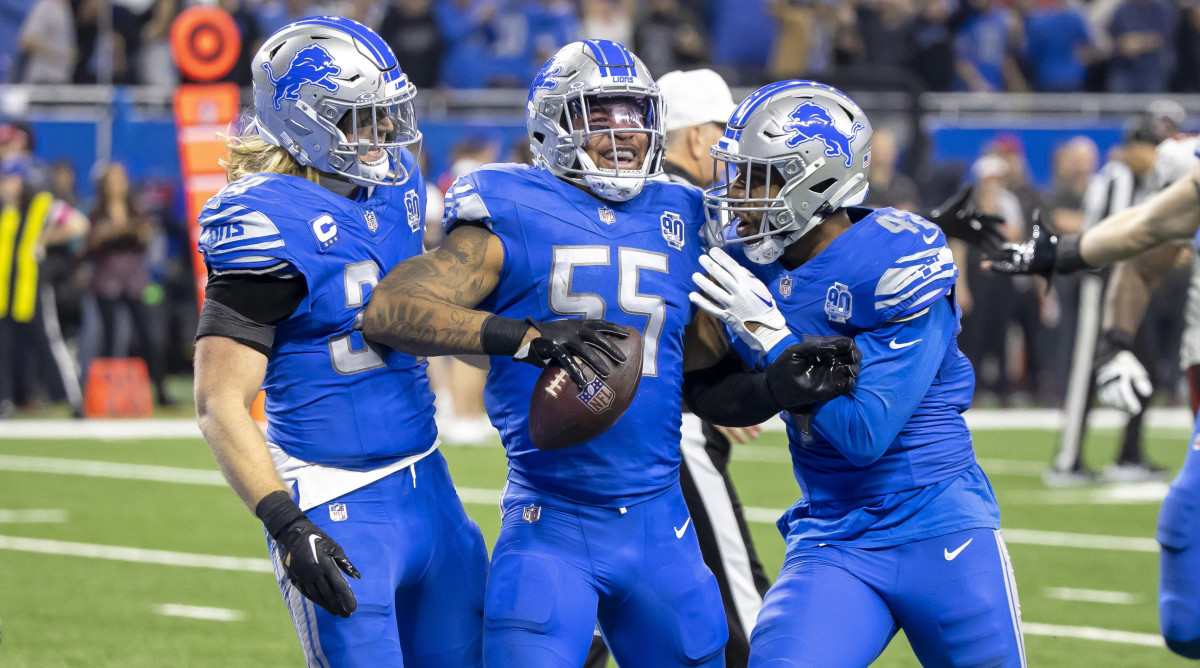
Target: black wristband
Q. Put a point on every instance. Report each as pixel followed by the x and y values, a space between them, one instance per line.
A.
pixel 277 512
pixel 1117 338
pixel 502 336
pixel 1068 259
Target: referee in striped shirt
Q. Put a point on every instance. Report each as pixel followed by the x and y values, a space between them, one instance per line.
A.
pixel 1124 181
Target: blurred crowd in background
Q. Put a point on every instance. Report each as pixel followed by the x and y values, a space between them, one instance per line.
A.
pixel 1147 46
pixel 119 274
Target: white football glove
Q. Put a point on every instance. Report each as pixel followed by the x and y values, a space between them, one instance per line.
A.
pixel 738 299
pixel 1123 383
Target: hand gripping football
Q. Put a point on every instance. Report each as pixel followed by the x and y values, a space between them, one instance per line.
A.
pixel 560 415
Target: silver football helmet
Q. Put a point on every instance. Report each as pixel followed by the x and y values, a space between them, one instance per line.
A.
pixel 581 79
pixel 329 90
pixel 810 141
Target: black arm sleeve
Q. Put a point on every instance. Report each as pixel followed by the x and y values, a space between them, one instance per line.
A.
pixel 729 393
pixel 246 307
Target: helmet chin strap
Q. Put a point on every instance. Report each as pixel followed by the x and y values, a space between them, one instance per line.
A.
pixel 613 188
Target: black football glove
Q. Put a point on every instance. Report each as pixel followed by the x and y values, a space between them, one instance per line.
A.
pixel 961 218
pixel 1045 254
pixel 313 561
pixel 817 369
pixel 567 341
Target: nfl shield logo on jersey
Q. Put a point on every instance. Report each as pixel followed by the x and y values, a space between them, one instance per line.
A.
pixel 372 221
pixel 838 302
pixel 531 514
pixel 337 512
pixel 672 229
pixel 413 205
pixel 785 286
pixel 597 396
pixel 607 216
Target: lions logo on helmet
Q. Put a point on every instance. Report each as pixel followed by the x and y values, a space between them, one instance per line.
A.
pixel 578 79
pixel 810 121
pixel 339 103
pixel 311 65
pixel 773 166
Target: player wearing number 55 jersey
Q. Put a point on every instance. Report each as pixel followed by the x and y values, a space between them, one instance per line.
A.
pixel 325 198
pixel 898 526
pixel 598 531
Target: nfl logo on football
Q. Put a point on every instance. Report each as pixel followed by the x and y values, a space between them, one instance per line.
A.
pixel 372 222
pixel 672 229
pixel 838 302
pixel 413 209
pixel 785 286
pixel 597 396
pixel 607 216
pixel 531 514
pixel 337 512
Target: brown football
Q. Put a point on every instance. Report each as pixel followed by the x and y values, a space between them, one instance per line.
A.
pixel 560 415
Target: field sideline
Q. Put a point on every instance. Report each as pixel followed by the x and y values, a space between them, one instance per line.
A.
pixel 127 549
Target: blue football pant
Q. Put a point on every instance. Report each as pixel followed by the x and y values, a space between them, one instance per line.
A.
pixel 1179 574
pixel 839 607
pixel 424 570
pixel 559 567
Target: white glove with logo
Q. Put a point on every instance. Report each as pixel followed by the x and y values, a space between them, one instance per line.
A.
pixel 1123 383
pixel 738 299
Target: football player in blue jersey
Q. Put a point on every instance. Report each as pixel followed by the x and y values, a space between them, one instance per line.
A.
pixel 598 531
pixel 1172 214
pixel 897 527
pixel 324 197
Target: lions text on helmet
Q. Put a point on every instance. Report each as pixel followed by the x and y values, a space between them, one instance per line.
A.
pixel 595 119
pixel 793 153
pixel 329 91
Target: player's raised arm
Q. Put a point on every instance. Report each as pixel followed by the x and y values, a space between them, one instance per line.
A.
pixel 1171 214
pixel 425 306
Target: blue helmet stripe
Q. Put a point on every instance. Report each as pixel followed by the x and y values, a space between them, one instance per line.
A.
pixel 374 43
pixel 610 56
pixel 756 99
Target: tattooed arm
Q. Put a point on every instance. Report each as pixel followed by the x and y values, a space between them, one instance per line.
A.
pixel 425 305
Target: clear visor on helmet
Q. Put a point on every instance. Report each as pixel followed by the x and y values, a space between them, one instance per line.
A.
pixel 618 132
pixel 375 131
pixel 746 199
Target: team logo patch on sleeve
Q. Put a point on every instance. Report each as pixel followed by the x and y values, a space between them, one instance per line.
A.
pixel 412 207
pixel 672 229
pixel 597 395
pixel 838 302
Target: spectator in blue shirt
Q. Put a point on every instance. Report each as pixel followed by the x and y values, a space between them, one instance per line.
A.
pixel 467 33
pixel 1057 47
pixel 552 24
pixel 982 55
pixel 1143 34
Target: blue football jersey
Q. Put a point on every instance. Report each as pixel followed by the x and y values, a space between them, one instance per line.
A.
pixel 332 398
pixel 569 254
pixel 893 460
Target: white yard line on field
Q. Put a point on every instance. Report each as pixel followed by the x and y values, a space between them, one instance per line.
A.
pixel 1176 419
pixel 33 516
pixel 134 554
pixel 200 612
pixel 1093 595
pixel 1092 633
pixel 1117 493
pixel 96 469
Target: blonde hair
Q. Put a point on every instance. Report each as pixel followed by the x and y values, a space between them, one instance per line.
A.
pixel 250 154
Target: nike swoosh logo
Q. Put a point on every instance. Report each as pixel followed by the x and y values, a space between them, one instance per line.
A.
pixel 768 302
pixel 897 346
pixel 929 239
pixel 951 555
pixel 312 542
pixel 679 532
